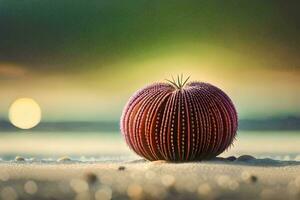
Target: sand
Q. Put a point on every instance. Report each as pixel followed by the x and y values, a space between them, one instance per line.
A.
pixel 134 178
pixel 101 166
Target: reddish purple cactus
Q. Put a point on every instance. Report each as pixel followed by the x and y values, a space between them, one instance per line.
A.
pixel 178 122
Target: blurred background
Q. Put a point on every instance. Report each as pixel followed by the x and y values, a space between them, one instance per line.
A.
pixel 81 61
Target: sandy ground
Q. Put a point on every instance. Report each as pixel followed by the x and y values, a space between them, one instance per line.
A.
pixel 139 179
pixel 103 167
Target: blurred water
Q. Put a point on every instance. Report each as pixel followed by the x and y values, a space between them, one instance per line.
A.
pixel 110 146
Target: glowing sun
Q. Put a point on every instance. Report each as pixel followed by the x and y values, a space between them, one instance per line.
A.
pixel 25 113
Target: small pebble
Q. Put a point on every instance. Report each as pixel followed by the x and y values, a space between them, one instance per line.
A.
pixel 231 158
pixel 121 168
pixel 245 158
pixel 91 178
pixel 253 179
pixel 19 159
pixel 30 187
pixel 249 178
pixel 64 159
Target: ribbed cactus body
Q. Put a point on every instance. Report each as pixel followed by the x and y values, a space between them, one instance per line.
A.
pixel 195 122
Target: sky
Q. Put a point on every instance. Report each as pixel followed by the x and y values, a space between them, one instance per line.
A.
pixel 81 61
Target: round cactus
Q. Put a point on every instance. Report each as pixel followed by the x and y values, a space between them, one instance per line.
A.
pixel 179 122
